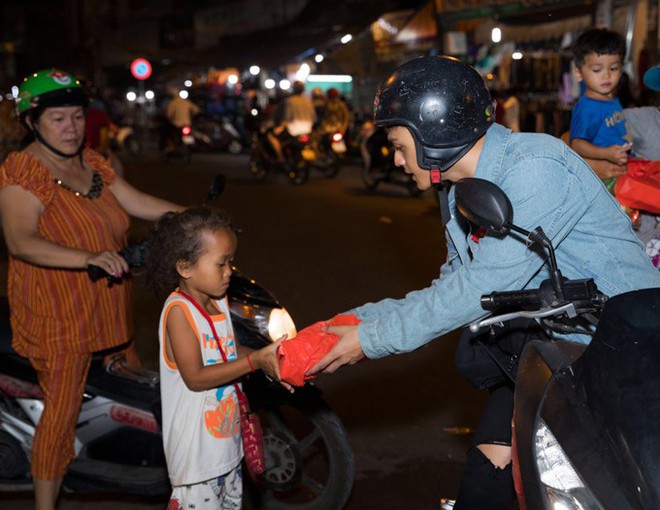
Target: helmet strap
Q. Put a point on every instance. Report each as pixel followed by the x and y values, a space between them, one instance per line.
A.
pixel 443 196
pixel 43 141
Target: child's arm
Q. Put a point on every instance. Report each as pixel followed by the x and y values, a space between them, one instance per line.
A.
pixel 183 348
pixel 617 154
pixel 606 170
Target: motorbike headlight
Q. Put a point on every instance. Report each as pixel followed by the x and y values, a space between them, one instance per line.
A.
pixel 271 323
pixel 564 489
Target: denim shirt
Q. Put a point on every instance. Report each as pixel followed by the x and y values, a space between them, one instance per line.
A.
pixel 550 186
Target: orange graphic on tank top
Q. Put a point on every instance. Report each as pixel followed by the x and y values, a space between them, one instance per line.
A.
pixel 222 421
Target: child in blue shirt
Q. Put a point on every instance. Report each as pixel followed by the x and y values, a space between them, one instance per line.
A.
pixel 598 126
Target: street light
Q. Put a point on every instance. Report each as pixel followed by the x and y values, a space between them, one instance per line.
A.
pixel 319 58
pixel 346 39
pixel 254 70
pixel 232 79
pixel 496 35
pixel 269 83
pixel 303 72
pixel 188 83
pixel 131 96
pixel 285 84
pixel 149 94
pixel 183 94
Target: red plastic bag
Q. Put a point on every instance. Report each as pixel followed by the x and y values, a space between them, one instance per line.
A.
pixel 639 187
pixel 298 355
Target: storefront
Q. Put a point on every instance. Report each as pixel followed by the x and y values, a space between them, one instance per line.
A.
pixel 524 48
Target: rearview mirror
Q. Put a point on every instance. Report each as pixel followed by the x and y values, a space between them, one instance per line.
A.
pixel 483 203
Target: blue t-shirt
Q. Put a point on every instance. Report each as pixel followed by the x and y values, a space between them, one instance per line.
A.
pixel 601 123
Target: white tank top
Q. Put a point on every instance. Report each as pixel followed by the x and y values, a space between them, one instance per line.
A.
pixel 201 430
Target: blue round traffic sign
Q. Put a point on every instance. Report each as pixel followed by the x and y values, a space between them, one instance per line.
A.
pixel 141 68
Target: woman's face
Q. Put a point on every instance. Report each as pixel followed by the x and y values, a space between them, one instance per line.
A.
pixel 63 127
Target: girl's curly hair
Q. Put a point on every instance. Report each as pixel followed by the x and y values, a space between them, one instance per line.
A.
pixel 177 236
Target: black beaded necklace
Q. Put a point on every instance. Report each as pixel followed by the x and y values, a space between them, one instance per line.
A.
pixel 94 191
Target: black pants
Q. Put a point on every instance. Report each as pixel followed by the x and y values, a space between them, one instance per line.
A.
pixel 484 486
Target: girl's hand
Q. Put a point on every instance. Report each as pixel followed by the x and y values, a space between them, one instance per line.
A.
pixel 266 360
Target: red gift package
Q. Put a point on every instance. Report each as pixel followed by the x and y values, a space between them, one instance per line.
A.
pixel 639 187
pixel 298 355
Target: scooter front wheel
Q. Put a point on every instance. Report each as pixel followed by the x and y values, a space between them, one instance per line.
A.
pixel 298 172
pixel 13 461
pixel 309 462
pixel 333 164
pixel 370 178
pixel 258 169
pixel 235 147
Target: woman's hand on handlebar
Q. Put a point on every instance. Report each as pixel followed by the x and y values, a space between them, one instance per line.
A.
pixel 111 262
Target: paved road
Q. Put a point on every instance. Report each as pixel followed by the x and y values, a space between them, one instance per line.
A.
pixel 323 248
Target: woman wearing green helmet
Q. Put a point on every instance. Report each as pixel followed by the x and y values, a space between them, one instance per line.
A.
pixel 63 208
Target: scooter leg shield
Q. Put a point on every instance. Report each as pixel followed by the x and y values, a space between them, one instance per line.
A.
pixel 484 486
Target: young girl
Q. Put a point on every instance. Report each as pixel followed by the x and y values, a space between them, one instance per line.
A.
pixel 192 253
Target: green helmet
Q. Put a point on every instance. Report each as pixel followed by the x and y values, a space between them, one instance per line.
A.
pixel 50 87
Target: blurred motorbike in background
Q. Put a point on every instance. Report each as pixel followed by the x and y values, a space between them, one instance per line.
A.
pixel 213 133
pixel 324 151
pixel 125 139
pixel 296 151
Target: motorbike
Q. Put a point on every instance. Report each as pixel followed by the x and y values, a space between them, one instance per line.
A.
pixel 585 428
pixel 215 134
pixel 296 151
pixel 179 143
pixel 125 138
pixel 378 162
pixel 118 443
pixel 324 150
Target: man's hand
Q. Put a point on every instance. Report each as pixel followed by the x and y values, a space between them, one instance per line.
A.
pixel 347 351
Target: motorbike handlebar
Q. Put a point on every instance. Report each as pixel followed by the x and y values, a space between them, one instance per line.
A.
pixel 580 296
pixel 134 254
pixel 520 299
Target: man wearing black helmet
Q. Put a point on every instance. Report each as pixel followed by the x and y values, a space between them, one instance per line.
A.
pixel 440 120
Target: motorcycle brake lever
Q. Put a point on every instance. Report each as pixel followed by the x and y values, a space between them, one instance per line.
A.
pixel 568 309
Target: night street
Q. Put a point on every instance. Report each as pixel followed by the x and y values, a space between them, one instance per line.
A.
pixel 323 248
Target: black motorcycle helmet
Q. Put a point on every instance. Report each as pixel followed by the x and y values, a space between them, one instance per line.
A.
pixel 443 102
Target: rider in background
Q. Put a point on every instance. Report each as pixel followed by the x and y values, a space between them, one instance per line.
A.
pixel 179 113
pixel 298 118
pixel 98 127
pixel 63 208
pixel 318 100
pixel 336 116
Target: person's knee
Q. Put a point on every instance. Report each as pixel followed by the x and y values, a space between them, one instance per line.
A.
pixel 499 455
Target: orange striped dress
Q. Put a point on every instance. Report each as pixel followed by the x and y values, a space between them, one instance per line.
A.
pixel 61 311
